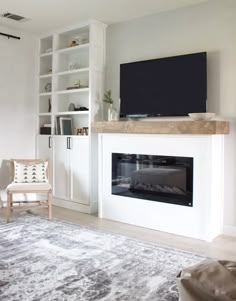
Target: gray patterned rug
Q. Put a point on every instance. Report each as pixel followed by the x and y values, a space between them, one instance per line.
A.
pixel 44 260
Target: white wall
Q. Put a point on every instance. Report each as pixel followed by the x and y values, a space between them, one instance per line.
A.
pixel 207 27
pixel 17 99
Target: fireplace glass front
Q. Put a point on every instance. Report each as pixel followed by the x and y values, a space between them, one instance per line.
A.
pixel 165 179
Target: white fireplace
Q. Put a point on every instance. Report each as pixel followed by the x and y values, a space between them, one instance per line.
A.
pixel 202 220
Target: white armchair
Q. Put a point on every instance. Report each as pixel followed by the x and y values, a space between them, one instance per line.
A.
pixel 28 176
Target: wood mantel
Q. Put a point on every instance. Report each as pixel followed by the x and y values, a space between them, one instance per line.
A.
pixel 162 127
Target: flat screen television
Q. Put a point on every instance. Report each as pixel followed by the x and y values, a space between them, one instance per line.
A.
pixel 171 86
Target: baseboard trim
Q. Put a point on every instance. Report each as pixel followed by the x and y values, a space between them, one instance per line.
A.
pixel 71 205
pixel 229 230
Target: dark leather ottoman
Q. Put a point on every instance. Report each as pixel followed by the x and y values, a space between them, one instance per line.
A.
pixel 208 281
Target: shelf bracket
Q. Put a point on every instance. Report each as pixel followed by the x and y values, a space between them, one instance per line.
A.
pixel 9 36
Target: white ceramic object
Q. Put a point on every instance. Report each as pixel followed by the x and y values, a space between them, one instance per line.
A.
pixel 201 116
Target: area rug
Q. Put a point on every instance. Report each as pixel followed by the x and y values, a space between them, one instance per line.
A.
pixel 43 260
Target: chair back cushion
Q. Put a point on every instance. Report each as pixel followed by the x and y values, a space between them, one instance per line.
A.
pixel 30 172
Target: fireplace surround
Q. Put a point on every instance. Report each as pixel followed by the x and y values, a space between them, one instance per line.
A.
pixel 202 141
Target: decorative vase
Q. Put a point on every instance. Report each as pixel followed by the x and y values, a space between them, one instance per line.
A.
pixel 112 113
pixel 109 112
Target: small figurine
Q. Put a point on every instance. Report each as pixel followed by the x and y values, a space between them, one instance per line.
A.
pixel 73 43
pixel 48 87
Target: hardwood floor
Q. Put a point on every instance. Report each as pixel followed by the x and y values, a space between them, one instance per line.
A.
pixel 222 247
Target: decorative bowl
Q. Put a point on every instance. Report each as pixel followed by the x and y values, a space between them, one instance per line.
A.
pixel 201 116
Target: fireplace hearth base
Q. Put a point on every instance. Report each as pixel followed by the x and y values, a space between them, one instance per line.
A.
pixel 202 220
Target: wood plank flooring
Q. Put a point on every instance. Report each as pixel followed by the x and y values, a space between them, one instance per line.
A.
pixel 222 247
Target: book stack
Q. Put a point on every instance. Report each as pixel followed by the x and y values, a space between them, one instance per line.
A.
pixel 45 129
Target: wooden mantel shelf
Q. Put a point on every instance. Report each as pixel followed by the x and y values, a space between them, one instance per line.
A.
pixel 162 127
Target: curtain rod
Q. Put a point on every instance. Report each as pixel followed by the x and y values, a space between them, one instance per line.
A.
pixel 9 36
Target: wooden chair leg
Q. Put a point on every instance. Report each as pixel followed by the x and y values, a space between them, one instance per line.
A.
pixel 50 205
pixel 9 204
pixel 11 198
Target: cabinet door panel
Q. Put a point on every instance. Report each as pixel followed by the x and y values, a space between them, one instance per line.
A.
pixel 44 151
pixel 79 170
pixel 60 168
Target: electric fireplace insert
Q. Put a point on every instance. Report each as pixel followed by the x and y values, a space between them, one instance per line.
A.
pixel 167 179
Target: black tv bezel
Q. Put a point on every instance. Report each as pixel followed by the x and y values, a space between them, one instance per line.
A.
pixel 169 114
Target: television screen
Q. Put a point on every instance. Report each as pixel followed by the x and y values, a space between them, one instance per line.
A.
pixel 171 86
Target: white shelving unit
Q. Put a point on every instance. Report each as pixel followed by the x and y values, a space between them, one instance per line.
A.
pixel 71 75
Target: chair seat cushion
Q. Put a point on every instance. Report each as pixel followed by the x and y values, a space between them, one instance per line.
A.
pixel 29 187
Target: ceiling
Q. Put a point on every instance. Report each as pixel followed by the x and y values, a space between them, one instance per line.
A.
pixel 47 15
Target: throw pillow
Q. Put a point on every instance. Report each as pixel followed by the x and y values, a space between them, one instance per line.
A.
pixel 30 173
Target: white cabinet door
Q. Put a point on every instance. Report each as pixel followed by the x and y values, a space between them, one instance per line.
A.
pixel 44 151
pixel 79 170
pixel 61 167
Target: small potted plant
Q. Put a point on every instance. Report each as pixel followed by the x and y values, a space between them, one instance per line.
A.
pixel 108 99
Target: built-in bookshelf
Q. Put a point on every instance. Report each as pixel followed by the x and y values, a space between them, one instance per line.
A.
pixel 71 66
pixel 71 73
